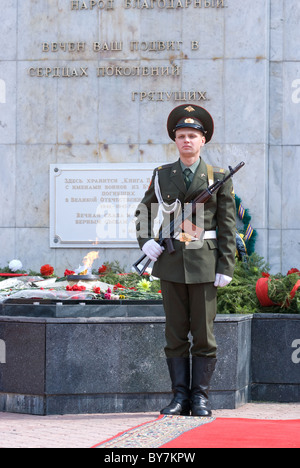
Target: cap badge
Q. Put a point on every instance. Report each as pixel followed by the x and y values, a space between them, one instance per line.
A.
pixel 189 121
pixel 189 109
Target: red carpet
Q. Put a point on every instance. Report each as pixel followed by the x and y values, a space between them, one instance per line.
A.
pixel 173 432
pixel 241 433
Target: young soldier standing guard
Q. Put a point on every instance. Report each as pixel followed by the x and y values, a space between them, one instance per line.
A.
pixel 191 275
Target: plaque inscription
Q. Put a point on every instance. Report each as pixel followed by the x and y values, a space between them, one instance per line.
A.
pixel 95 204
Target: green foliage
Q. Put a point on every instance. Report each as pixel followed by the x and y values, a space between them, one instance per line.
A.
pixel 239 297
pixel 279 288
pixel 131 282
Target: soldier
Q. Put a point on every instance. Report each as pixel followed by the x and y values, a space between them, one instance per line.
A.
pixel 191 275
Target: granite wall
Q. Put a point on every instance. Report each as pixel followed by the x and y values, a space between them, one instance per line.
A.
pixel 109 364
pixel 94 82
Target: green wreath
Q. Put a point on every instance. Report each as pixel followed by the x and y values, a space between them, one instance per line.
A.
pixel 246 237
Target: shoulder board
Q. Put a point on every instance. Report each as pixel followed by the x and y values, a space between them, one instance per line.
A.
pixel 165 166
pixel 220 170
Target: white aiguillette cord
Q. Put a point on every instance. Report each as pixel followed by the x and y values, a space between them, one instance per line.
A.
pixel 164 208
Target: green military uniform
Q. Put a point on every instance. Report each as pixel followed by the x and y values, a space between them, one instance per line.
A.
pixel 193 266
pixel 188 275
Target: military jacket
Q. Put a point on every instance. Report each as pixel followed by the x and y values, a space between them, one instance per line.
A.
pixel 192 265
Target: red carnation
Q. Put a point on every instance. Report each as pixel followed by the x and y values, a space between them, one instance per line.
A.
pixel 118 286
pixel 75 287
pixel 265 275
pixel 69 273
pixel 47 270
pixel 293 270
pixel 102 269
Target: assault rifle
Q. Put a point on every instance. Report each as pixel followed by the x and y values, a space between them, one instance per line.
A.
pixel 165 237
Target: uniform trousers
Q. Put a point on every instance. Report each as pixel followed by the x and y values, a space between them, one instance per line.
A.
pixel 189 309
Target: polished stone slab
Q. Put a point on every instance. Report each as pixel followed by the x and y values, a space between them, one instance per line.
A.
pixel 275 358
pixel 108 364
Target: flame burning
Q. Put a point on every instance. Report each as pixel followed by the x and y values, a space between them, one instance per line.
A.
pixel 89 259
pixel 88 263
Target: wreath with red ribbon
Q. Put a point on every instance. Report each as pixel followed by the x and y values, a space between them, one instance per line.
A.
pixel 278 291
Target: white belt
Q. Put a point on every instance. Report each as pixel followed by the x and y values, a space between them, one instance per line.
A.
pixel 210 235
pixel 207 235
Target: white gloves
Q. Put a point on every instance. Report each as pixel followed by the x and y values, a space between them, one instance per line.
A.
pixel 222 280
pixel 153 250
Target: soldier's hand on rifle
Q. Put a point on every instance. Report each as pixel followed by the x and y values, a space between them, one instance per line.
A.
pixel 153 250
pixel 222 280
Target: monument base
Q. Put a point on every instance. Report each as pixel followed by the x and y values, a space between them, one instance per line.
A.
pixel 108 365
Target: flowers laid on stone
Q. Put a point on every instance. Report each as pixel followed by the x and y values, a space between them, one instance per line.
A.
pixel 75 287
pixel 253 289
pixel 47 270
pixel 15 265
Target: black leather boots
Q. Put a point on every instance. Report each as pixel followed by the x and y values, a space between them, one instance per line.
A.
pixel 194 401
pixel 203 369
pixel 179 369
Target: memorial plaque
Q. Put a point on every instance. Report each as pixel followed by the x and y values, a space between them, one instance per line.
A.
pixel 95 204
